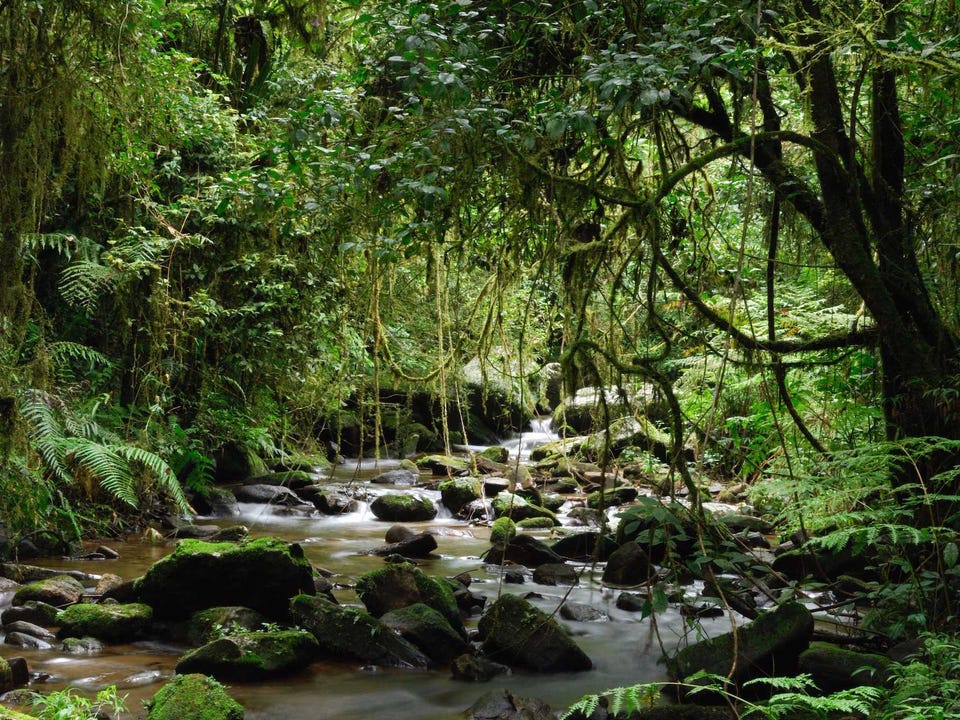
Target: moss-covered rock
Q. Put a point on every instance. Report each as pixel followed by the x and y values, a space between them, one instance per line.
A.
pixel 834 668
pixel 458 492
pixel 770 644
pixel 252 656
pixel 399 585
pixel 397 507
pixel 117 623
pixel 235 462
pixel 57 590
pixel 33 611
pixel 196 697
pixel 212 623
pixel 428 630
pixel 350 634
pixel 517 508
pixel 262 574
pixel 288 478
pixel 612 497
pixel 504 705
pixel 518 634
pixel 537 523
pixel 503 530
pixel 447 465
pixel 6 676
pixel 585 546
pixel 495 454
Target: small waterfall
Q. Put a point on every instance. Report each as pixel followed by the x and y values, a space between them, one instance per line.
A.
pixel 522 444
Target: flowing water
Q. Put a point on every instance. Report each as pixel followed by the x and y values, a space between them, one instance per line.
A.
pixel 625 649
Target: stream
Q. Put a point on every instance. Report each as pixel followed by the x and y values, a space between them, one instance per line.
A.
pixel 625 649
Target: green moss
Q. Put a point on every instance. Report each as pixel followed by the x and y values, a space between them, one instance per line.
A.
pixel 402 584
pixel 8 714
pixel 195 696
pixel 252 655
pixel 457 492
pixel 535 523
pixel 110 623
pixel 503 530
pixel 6 676
pixel 397 507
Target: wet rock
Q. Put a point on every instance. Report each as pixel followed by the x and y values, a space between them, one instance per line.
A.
pixel 397 476
pixel 106 583
pixel 457 493
pixel 329 502
pixel 428 630
pixel 19 672
pixel 476 510
pixel 350 634
pixel 31 573
pixel 108 552
pixel 292 479
pixel 771 644
pixel 401 585
pixel 193 696
pixel 613 497
pixel 57 590
pixel 113 623
pixel 579 612
pixel 585 547
pixel 397 533
pixel 447 465
pixel 628 565
pixel 504 705
pixel 517 508
pixel 252 656
pixel 514 576
pixel 834 668
pixel 32 611
pixel 524 550
pixel 82 646
pixel 586 517
pixel 234 533
pixel 556 574
pixel 262 574
pixel 517 633
pixel 212 623
pixel 502 531
pixel 6 676
pixel 474 668
pixel 189 530
pixel 28 628
pixel 27 642
pixel 216 502
pixel 403 508
pixel 268 494
pixel 8 586
pixel 415 546
pixel 632 602
pixel 537 523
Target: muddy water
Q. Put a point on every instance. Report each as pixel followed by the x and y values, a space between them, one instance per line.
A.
pixel 624 650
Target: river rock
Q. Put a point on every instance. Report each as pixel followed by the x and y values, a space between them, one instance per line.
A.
pixel 28 628
pixel 8 586
pixel 585 547
pixel 834 668
pixel 414 546
pixel 347 633
pixel 516 633
pixel 476 510
pixel 556 574
pixel 394 507
pixel 207 625
pixel 31 573
pixel 770 644
pixel 428 630
pixel 56 590
pixel 216 502
pixel 628 565
pixel 82 646
pixel 193 696
pixel 327 501
pixel 613 497
pixel 236 463
pixel 581 612
pixel 456 493
pixel 252 656
pixel 196 532
pixel 444 465
pixel 25 641
pixel 504 705
pixel 6 676
pixel 399 585
pixel 232 533
pixel 268 494
pixel 113 622
pixel 525 550
pixel 396 476
pixel 262 574
pixel 32 611
pixel 632 602
pixel 475 668
pixel 106 583
pixel 517 508
pixel 292 479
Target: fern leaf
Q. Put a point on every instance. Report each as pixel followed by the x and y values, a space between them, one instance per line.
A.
pixel 82 281
pixel 107 466
pixel 166 478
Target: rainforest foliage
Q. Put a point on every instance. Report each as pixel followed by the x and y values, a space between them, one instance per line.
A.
pixel 269 222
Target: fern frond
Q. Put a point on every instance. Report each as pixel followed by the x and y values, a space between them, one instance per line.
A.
pixel 166 478
pixel 62 351
pixel 104 464
pixel 82 282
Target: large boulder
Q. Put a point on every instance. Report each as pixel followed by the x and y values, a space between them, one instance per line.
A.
pixel 396 507
pixel 56 590
pixel 769 645
pixel 399 585
pixel 523 550
pixel 252 656
pixel 834 668
pixel 216 502
pixel 459 492
pixel 518 634
pixel 193 696
pixel 351 634
pixel 262 574
pixel 428 630
pixel 111 622
pixel 627 566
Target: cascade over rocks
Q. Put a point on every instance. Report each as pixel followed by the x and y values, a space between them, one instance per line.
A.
pixel 348 633
pixel 516 633
pixel 262 574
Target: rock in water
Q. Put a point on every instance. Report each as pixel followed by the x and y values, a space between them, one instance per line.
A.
pixel 504 705
pixel 110 623
pixel 252 656
pixel 518 634
pixel 262 574
pixel 193 696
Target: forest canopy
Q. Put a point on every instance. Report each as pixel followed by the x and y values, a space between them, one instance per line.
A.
pixel 295 222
